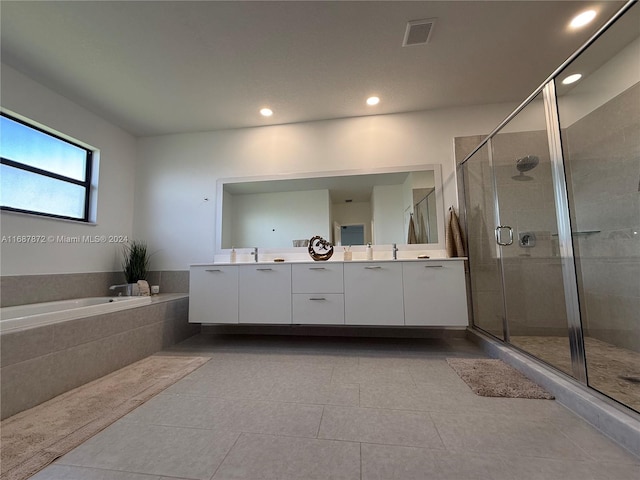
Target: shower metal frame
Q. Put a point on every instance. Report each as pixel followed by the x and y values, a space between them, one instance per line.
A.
pixel 565 237
pixel 569 274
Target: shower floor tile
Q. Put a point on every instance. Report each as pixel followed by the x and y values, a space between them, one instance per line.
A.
pixel 610 369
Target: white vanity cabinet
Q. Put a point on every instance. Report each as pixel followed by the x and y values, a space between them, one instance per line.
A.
pixel 264 293
pixel 435 294
pixel 373 293
pixel 213 294
pixel 318 297
pixel 430 293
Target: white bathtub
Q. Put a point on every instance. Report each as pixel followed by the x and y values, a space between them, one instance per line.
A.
pixel 37 314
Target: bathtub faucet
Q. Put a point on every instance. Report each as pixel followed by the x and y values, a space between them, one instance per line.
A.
pixel 125 286
pixel 255 254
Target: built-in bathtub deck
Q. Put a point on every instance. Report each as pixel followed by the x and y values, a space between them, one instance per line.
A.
pixel 44 361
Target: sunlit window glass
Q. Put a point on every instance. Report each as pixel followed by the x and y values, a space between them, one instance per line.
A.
pixel 42 173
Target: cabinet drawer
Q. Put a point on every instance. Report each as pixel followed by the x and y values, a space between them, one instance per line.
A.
pixel 318 309
pixel 317 278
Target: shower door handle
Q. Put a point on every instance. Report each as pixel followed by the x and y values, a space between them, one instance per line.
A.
pixel 499 230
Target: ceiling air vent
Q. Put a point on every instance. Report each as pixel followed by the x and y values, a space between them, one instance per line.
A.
pixel 418 32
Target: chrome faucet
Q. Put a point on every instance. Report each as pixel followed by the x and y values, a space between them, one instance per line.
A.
pixel 255 254
pixel 124 286
pixel 395 251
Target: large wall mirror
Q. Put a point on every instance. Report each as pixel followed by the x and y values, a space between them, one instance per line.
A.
pixel 382 206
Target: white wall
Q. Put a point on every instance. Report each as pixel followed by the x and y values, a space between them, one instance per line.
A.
pixel 274 220
pixel 388 214
pixel 22 96
pixel 176 172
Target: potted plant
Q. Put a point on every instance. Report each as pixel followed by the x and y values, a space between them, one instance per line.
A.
pixel 135 264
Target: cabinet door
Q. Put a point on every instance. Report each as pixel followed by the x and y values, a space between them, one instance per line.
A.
pixel 435 294
pixel 213 294
pixel 265 294
pixel 318 309
pixel 317 277
pixel 373 293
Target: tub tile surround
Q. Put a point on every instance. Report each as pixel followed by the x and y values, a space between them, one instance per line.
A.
pixel 26 289
pixel 42 362
pixel 433 427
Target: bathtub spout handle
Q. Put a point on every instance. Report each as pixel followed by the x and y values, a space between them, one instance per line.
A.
pixel 125 286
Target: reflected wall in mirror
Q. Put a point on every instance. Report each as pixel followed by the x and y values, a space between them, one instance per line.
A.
pixel 349 208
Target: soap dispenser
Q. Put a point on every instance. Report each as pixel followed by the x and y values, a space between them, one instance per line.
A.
pixel 369 252
pixel 232 255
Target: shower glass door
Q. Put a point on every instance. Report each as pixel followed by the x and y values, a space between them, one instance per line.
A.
pixel 526 232
pixel 480 218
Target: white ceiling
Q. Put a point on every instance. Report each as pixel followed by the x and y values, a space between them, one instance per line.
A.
pixel 164 67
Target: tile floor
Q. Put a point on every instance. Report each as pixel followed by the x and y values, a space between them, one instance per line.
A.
pixel 292 408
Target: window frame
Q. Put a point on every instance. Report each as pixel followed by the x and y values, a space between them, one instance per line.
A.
pixel 86 183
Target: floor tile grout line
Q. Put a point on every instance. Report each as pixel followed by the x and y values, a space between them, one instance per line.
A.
pixel 101 469
pixel 320 423
pixel 226 455
pixel 435 426
pixel 258 399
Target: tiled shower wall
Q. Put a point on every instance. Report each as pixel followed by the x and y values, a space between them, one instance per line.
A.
pixel 602 153
pixel 26 289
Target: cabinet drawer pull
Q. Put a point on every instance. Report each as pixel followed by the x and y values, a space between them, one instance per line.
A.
pixel 214 270
pixel 317 298
pixel 317 268
pixel 433 266
pixel 264 269
pixel 376 267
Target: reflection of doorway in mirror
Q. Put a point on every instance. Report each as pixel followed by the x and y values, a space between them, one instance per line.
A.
pixel 352 234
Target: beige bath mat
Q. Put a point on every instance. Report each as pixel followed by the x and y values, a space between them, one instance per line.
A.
pixel 494 378
pixel 33 439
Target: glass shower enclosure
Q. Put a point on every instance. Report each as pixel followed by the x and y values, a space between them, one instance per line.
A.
pixel 551 204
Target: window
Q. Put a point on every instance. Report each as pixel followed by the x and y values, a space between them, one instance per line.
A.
pixel 42 173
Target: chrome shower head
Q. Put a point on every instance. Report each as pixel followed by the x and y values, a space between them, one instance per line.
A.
pixel 527 163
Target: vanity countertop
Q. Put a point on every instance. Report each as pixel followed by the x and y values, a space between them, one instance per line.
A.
pixel 359 260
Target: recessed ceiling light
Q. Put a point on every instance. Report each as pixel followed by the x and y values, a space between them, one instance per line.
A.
pixel 583 19
pixel 572 79
pixel 266 112
pixel 373 101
